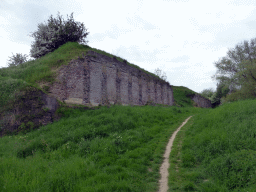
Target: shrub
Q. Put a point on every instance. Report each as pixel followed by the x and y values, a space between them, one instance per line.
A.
pixel 17 59
pixel 55 33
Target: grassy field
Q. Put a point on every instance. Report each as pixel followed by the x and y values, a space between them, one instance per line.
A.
pixel 117 148
pixel 216 151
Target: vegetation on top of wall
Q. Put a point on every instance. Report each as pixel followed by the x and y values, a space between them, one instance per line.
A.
pixel 182 95
pixel 124 60
pixel 43 69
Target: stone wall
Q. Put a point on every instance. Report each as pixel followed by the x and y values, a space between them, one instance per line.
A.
pixel 98 79
pixel 201 101
pixel 32 110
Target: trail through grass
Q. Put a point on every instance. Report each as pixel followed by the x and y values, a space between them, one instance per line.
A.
pixel 108 149
pixel 217 151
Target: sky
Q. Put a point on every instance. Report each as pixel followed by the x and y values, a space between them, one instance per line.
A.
pixel 181 37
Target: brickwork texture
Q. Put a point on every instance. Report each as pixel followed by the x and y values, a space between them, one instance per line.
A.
pixel 98 79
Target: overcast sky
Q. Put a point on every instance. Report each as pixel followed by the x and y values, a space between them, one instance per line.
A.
pixel 182 37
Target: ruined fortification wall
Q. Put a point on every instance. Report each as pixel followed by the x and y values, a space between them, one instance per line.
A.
pixel 98 79
pixel 201 101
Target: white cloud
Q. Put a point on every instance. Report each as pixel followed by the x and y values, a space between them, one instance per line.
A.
pixel 184 38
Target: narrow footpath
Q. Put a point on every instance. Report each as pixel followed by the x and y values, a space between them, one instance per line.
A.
pixel 165 166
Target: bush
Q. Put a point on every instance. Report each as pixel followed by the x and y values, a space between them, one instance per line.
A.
pixel 55 33
pixel 17 59
pixel 208 93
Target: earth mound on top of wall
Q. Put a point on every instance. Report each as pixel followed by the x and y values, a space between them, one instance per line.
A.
pixel 32 109
pixel 95 79
pixel 185 97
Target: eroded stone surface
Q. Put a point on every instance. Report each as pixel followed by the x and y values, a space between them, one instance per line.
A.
pixel 201 101
pixel 32 109
pixel 98 79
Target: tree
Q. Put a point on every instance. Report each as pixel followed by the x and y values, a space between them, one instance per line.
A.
pixel 207 93
pixel 160 74
pixel 17 59
pixel 238 69
pixel 221 92
pixel 55 33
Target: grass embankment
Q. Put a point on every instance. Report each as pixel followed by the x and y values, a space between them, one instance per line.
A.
pixel 181 98
pixel 108 149
pixel 14 79
pixel 216 151
pixel 182 95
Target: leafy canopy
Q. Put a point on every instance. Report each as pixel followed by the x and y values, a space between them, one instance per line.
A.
pixel 238 69
pixel 56 32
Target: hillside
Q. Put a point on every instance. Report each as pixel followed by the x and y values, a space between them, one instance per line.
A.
pixel 68 147
pixel 216 150
pixel 117 148
pixel 23 85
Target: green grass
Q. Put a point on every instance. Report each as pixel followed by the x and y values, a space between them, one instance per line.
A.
pixel 181 96
pixel 216 151
pixel 118 148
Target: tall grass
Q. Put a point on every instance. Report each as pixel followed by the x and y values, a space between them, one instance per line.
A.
pixel 218 151
pixel 108 149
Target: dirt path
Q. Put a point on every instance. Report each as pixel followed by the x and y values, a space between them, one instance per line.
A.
pixel 164 167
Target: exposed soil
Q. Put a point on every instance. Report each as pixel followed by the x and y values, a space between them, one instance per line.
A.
pixel 31 109
pixel 165 166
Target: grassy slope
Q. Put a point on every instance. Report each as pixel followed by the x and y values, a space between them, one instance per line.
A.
pixel 216 151
pixel 181 98
pixel 108 149
pixel 120 148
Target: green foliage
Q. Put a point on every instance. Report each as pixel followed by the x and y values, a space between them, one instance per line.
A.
pixel 17 59
pixel 9 89
pixel 208 93
pixel 108 149
pixel 238 68
pixel 55 33
pixel 222 91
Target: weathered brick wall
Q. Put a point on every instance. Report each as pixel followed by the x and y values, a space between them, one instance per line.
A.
pixel 144 91
pixel 158 92
pixel 165 94
pixel 201 101
pixel 99 79
pixel 124 88
pixel 135 90
pixel 152 91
